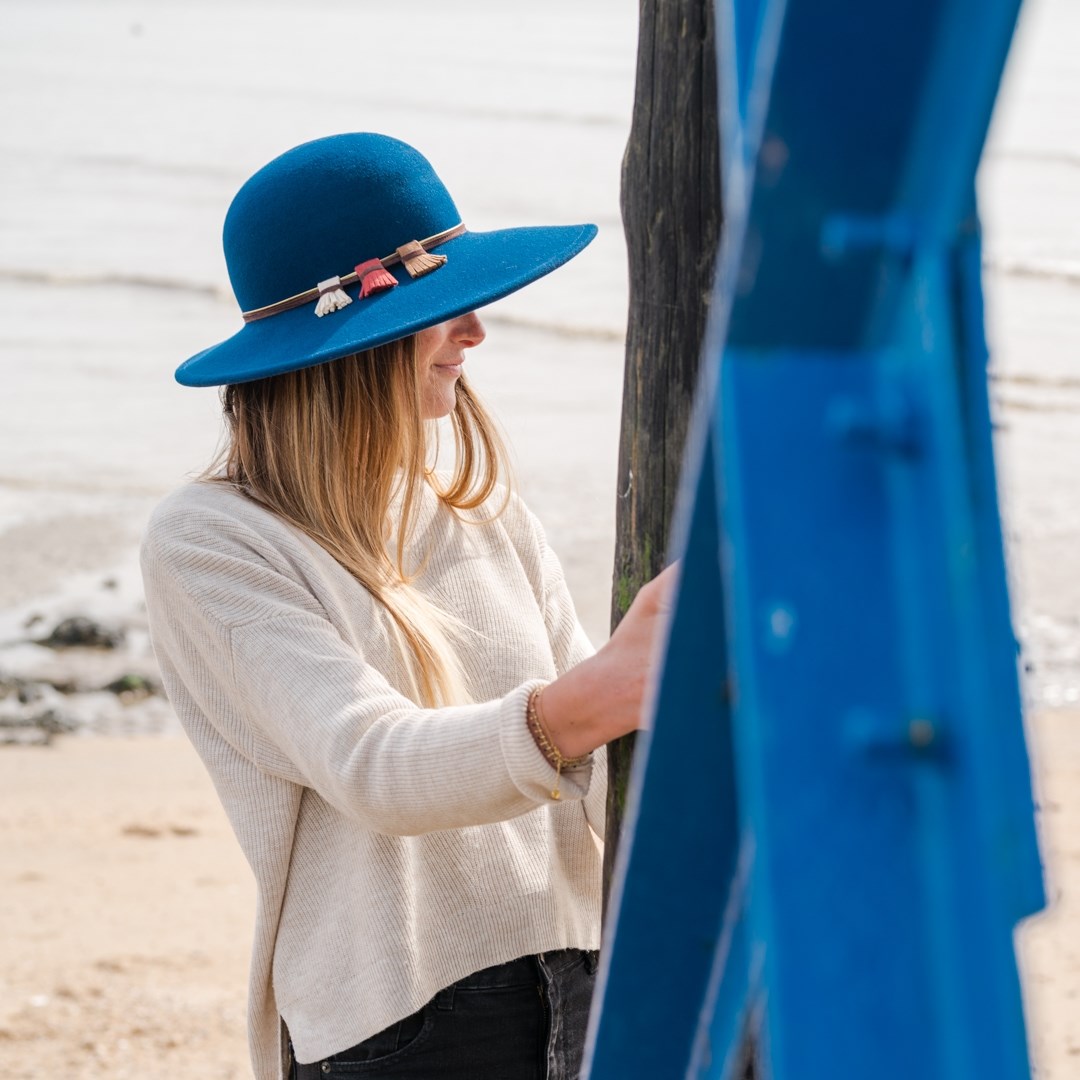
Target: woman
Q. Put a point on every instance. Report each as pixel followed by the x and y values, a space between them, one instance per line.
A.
pixel 379 663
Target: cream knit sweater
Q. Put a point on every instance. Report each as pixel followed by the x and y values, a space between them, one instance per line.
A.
pixel 395 848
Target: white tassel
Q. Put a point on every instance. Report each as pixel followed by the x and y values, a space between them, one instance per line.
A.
pixel 332 297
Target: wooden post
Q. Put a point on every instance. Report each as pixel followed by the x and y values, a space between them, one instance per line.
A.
pixel 672 217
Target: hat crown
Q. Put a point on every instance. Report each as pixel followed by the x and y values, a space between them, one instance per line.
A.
pixel 322 207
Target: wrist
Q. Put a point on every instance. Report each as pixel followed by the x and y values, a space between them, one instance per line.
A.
pixel 553 754
pixel 577 708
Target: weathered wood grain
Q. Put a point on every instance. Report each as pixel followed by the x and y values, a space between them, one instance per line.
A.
pixel 672 219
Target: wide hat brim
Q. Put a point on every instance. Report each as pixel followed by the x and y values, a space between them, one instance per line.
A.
pixel 480 268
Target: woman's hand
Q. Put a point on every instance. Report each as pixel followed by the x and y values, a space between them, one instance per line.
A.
pixel 602 697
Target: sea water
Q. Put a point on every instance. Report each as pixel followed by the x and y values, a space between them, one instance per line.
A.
pixel 125 128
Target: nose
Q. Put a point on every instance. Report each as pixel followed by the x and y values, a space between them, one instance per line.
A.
pixel 467 330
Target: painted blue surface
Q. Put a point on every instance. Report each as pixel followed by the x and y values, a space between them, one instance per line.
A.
pixel 687 847
pixel 831 830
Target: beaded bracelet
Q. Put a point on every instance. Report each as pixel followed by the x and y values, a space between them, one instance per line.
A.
pixel 555 757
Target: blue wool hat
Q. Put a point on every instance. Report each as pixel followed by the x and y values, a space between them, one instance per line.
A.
pixel 352 241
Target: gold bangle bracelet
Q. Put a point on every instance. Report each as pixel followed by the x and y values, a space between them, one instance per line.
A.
pixel 554 756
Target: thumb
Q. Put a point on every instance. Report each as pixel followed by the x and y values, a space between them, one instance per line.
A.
pixel 666 584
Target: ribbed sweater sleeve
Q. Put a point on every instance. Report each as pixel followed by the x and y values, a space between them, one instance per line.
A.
pixel 307 706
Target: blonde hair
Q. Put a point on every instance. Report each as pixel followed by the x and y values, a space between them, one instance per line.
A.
pixel 332 448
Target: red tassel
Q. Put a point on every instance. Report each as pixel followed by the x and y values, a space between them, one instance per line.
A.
pixel 373 277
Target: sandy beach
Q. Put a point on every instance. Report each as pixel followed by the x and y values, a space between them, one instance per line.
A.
pixel 127 907
pixel 127 910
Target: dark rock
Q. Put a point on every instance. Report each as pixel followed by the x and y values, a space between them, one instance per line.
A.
pixel 53 722
pixel 37 729
pixel 29 692
pixel 131 685
pixel 81 631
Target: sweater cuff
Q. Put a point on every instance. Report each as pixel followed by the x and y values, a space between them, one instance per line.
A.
pixel 528 768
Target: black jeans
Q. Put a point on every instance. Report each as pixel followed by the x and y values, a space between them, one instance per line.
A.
pixel 523 1020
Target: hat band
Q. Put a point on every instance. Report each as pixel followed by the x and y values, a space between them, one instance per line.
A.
pixel 329 295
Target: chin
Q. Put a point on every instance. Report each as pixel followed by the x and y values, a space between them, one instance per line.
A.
pixel 436 410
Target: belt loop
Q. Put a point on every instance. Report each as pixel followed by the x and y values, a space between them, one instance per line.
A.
pixel 543 972
pixel 592 961
pixel 444 999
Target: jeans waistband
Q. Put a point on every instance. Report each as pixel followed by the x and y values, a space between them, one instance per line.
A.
pixel 524 971
pixel 521 971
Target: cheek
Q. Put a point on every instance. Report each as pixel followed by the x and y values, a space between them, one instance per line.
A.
pixel 440 396
pixel 428 342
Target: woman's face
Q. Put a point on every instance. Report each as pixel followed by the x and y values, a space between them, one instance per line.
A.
pixel 440 354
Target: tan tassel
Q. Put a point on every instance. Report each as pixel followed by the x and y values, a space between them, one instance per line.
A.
pixel 417 261
pixel 332 297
